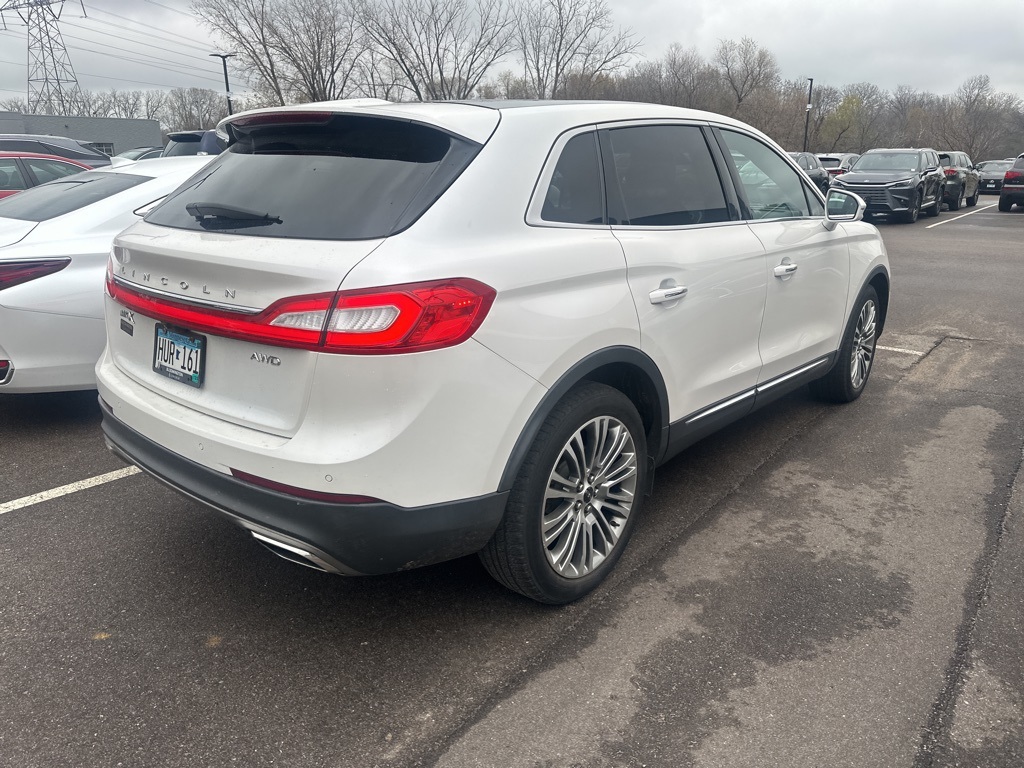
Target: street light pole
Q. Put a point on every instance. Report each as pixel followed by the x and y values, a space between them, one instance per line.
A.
pixel 807 117
pixel 227 88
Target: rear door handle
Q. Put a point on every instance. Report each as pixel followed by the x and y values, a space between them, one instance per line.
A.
pixel 784 270
pixel 662 295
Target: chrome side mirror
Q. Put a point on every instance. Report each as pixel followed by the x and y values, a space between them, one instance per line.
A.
pixel 841 205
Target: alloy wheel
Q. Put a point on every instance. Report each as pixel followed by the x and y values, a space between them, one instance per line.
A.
pixel 863 345
pixel 589 496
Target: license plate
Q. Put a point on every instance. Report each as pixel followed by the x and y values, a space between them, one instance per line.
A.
pixel 990 183
pixel 179 355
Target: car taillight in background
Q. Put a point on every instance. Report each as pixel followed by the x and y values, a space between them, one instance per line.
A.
pixel 414 317
pixel 950 172
pixel 1013 177
pixel 17 272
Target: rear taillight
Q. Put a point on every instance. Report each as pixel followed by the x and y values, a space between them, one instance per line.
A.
pixel 1013 177
pixel 950 172
pixel 400 318
pixel 17 272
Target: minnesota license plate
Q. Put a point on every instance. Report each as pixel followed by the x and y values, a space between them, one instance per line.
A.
pixel 179 355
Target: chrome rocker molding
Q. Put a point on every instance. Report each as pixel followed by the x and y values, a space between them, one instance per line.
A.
pixel 698 425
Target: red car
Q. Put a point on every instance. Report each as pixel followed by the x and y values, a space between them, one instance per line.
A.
pixel 21 170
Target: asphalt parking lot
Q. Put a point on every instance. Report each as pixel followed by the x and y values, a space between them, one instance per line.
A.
pixel 815 586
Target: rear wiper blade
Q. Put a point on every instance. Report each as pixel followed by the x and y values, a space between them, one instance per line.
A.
pixel 203 211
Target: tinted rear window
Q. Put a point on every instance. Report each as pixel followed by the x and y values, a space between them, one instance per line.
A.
pixel 66 195
pixel 344 178
pixel 829 162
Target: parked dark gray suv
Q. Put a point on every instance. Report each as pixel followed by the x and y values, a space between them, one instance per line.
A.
pixel 962 179
pixel 61 146
pixel 901 182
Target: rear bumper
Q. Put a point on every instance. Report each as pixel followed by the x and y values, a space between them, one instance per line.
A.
pixel 353 539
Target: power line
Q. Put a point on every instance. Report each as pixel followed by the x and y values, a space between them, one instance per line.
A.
pixel 128 40
pixel 165 32
pixel 154 2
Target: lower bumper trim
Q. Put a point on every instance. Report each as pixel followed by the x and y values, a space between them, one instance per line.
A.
pixel 351 539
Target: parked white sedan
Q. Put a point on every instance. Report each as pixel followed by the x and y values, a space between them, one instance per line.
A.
pixel 54 243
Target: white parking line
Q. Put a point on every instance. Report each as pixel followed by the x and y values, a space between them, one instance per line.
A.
pixel 969 213
pixel 64 490
pixel 900 349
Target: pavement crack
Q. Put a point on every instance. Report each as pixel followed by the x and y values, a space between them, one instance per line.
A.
pixel 936 738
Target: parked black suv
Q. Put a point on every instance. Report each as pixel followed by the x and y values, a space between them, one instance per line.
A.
pixel 902 182
pixel 962 179
pixel 61 146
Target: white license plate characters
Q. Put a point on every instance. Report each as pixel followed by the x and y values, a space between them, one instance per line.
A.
pixel 179 355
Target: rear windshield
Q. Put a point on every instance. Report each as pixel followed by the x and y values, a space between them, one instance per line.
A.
pixel 829 162
pixel 996 165
pixel 66 195
pixel 342 177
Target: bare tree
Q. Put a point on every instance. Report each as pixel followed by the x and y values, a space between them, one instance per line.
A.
pixel 248 28
pixel 443 48
pixel 193 108
pixel 746 68
pixel 14 105
pixel 559 39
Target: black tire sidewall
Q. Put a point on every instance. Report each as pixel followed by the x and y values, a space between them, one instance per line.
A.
pixel 533 479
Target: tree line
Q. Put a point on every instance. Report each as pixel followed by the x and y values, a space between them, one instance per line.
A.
pixel 296 51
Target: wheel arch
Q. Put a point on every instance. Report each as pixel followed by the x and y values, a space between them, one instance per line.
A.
pixel 878 279
pixel 626 369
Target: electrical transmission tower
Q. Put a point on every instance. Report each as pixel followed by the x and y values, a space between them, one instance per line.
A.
pixel 52 86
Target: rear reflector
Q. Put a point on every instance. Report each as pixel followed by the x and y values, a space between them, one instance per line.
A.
pixel 304 493
pixel 414 317
pixel 17 272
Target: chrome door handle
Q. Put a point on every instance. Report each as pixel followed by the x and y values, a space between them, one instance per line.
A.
pixel 784 270
pixel 662 295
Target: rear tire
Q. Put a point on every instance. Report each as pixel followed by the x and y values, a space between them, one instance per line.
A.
pixel 934 210
pixel 848 377
pixel 575 500
pixel 1005 204
pixel 973 200
pixel 954 205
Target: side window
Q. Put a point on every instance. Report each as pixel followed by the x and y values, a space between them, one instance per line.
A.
pixel 574 194
pixel 773 189
pixel 48 170
pixel 10 175
pixel 662 176
pixel 21 145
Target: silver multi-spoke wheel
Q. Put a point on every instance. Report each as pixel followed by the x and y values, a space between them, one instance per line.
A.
pixel 863 345
pixel 589 496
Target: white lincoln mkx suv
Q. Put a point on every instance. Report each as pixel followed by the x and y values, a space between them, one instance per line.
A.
pixel 382 335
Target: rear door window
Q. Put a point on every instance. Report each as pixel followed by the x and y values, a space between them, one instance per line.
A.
pixel 11 179
pixel 662 176
pixel 326 177
pixel 66 195
pixel 48 170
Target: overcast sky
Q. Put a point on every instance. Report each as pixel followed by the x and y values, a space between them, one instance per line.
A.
pixel 929 46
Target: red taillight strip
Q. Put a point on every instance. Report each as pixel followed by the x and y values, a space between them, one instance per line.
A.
pixel 304 493
pixel 419 316
pixel 17 272
pixel 221 322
